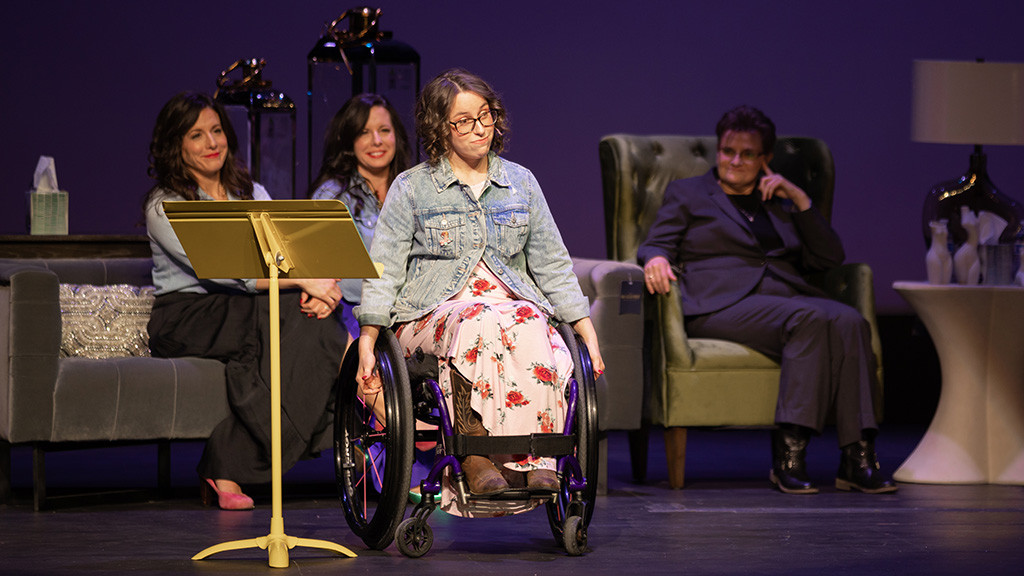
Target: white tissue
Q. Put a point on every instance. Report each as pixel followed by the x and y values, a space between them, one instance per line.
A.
pixel 990 227
pixel 45 179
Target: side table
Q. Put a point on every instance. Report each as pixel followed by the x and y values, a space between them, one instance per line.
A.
pixel 977 434
pixel 74 246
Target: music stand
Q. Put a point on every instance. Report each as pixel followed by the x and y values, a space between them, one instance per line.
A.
pixel 271 239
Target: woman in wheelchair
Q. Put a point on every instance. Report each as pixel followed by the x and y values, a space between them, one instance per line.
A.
pixel 474 273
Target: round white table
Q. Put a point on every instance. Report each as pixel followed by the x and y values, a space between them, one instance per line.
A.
pixel 977 434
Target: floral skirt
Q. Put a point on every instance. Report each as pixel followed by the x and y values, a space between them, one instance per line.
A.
pixel 515 359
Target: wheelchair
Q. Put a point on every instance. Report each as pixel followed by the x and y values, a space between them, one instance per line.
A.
pixel 373 456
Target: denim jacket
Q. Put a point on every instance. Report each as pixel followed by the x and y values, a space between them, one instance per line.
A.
pixel 362 205
pixel 432 232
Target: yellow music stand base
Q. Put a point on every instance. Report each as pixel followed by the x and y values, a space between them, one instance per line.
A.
pixel 277 545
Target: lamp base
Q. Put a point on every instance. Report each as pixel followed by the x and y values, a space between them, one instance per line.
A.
pixel 976 191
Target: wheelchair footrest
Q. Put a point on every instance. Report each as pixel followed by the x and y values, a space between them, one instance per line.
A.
pixel 532 444
pixel 515 494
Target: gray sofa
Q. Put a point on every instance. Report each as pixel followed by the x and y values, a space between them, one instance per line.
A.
pixel 52 401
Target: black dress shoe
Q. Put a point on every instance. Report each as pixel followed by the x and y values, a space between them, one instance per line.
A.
pixel 859 470
pixel 789 469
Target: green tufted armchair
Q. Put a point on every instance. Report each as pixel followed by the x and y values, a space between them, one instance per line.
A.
pixel 698 382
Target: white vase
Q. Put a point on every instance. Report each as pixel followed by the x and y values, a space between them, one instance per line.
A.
pixel 938 261
pixel 965 262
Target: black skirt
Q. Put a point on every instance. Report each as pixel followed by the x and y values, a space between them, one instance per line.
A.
pixel 235 329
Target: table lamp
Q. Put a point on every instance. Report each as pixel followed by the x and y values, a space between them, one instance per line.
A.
pixel 969 103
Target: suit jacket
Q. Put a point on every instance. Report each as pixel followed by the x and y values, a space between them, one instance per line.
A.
pixel 716 256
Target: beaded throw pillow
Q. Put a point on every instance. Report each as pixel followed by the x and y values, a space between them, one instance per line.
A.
pixel 104 321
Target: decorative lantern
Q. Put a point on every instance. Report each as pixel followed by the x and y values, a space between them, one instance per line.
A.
pixel 346 62
pixel 264 120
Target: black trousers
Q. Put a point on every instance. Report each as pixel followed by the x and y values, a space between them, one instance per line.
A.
pixel 235 329
pixel 823 347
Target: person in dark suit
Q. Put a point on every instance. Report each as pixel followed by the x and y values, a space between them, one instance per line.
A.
pixel 739 241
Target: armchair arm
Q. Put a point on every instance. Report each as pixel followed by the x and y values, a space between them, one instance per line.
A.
pixel 30 342
pixel 853 284
pixel 667 316
pixel 615 291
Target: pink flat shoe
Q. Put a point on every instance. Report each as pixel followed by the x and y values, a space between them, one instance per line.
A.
pixel 225 500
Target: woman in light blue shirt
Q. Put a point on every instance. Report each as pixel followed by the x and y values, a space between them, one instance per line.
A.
pixel 474 272
pixel 365 148
pixel 192 157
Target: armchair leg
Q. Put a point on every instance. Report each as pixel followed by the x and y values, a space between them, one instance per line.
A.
pixel 638 446
pixel 675 453
pixel 5 472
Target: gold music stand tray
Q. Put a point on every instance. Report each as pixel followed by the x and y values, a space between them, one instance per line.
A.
pixel 271 239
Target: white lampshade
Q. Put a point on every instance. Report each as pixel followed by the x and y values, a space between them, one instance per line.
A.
pixel 968 102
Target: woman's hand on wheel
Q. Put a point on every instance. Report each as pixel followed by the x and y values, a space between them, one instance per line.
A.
pixel 366 377
pixel 585 328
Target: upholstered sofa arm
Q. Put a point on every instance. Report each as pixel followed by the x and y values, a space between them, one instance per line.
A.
pixel 602 280
pixel 29 351
pixel 615 290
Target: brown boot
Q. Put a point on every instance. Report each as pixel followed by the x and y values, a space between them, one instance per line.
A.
pixel 542 479
pixel 481 475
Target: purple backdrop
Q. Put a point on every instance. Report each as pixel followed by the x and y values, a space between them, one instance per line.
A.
pixel 83 81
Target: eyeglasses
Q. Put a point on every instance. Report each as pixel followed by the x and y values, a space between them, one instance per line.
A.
pixel 466 125
pixel 745 155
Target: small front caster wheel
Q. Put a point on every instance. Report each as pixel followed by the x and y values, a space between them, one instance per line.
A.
pixel 414 538
pixel 574 536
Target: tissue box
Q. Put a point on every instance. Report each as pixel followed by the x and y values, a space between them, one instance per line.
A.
pixel 999 263
pixel 48 212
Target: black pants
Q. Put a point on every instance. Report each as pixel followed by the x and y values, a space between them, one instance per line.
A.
pixel 823 347
pixel 235 329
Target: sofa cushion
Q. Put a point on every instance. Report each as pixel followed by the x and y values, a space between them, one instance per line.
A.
pixel 137 399
pixel 104 321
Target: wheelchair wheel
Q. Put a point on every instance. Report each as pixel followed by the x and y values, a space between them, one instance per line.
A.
pixel 373 455
pixel 566 505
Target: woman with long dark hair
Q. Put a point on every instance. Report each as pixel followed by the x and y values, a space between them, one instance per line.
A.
pixel 365 148
pixel 192 157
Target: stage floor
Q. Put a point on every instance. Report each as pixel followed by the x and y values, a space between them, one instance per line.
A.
pixel 726 521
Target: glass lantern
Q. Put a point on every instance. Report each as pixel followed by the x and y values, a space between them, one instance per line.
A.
pixel 264 120
pixel 361 58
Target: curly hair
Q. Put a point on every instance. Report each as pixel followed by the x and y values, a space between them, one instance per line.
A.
pixel 166 164
pixel 435 102
pixel 748 119
pixel 339 160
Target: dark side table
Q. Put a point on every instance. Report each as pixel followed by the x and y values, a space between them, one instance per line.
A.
pixel 74 246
